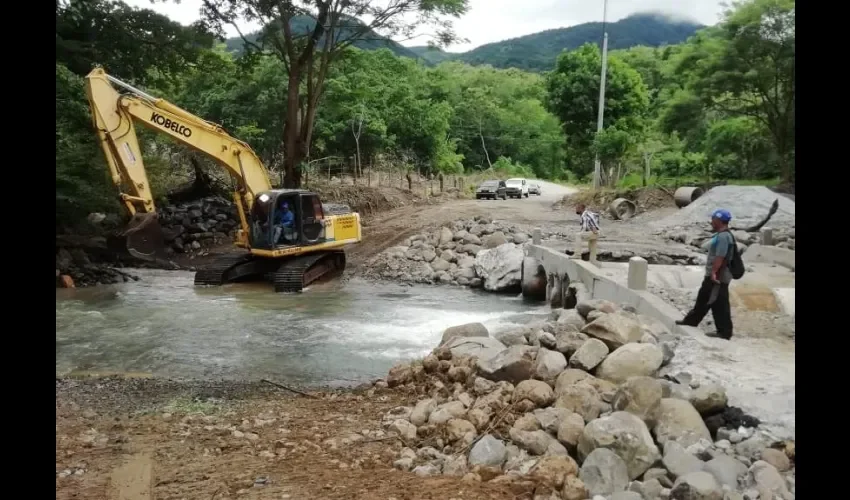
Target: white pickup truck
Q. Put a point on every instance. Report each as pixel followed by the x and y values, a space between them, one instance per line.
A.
pixel 516 188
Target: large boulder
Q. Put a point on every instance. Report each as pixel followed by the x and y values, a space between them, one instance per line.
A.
pixel 580 398
pixel 589 355
pixel 615 330
pixel 568 342
pixel 696 486
pixel 678 461
pixel 549 364
pixel 550 418
pixel 708 398
pixel 569 430
pixel 488 452
pixel 678 420
pixel 554 470
pixel 483 348
pixel 537 442
pixel 570 320
pixel 446 411
pixel 422 410
pixel 495 240
pixel 458 429
pixel 445 236
pixel 500 267
pixel 769 482
pixel 726 470
pixel 624 434
pixel 516 336
pixel 536 391
pixel 604 472
pixel 513 364
pixel 585 307
pixel 467 330
pixel 630 360
pixel 640 396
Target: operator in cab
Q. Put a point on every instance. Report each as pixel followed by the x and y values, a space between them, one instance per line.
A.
pixel 284 224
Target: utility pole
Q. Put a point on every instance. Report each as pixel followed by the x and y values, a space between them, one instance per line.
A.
pixel 597 166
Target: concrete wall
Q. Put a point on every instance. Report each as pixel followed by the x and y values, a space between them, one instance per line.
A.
pixel 561 269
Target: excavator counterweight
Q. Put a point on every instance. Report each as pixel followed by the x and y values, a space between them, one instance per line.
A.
pixel 291 239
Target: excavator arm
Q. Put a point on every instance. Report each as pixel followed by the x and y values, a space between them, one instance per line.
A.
pixel 114 114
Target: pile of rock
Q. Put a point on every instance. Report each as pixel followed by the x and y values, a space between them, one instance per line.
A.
pixel 572 409
pixel 783 237
pixel 477 253
pixel 74 268
pixel 191 227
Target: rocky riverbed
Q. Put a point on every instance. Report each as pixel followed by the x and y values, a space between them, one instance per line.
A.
pixel 478 252
pixel 581 406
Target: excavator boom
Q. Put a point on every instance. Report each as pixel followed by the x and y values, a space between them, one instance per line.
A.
pixel 290 255
pixel 114 114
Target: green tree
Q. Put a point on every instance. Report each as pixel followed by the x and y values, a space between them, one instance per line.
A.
pixel 753 74
pixel 573 93
pixel 128 42
pixel 82 180
pixel 308 53
pixel 499 113
pixel 612 145
pixel 737 147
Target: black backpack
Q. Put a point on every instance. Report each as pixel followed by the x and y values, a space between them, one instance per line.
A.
pixel 736 263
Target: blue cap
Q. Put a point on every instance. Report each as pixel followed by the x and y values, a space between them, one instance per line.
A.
pixel 722 215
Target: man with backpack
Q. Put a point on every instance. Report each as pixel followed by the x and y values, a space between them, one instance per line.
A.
pixel 722 266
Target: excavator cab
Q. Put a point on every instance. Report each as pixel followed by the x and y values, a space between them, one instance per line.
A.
pixel 286 218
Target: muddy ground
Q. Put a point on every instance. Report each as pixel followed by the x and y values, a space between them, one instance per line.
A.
pixel 204 440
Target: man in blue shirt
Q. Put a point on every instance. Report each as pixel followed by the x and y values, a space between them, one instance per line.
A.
pixel 714 293
pixel 284 223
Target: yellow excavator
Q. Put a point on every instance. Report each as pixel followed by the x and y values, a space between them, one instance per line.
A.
pixel 291 238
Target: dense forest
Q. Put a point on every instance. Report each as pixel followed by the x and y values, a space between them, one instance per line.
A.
pixel 536 52
pixel 719 105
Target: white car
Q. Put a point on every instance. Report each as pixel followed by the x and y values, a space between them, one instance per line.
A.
pixel 516 188
pixel 534 188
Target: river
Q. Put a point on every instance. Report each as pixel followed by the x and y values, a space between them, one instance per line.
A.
pixel 333 334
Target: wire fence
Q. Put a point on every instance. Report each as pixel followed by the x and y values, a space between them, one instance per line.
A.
pixel 332 171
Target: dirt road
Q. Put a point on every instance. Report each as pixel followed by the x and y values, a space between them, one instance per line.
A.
pixel 391 228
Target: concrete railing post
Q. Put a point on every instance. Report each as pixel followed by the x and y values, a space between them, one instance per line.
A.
pixel 767 236
pixel 536 236
pixel 638 269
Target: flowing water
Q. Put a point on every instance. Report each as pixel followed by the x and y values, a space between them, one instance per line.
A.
pixel 335 333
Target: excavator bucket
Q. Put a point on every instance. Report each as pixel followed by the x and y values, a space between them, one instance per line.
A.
pixel 142 238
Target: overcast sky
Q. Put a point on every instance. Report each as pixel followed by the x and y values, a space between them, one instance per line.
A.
pixel 494 20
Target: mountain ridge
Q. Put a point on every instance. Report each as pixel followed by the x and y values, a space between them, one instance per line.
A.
pixel 536 51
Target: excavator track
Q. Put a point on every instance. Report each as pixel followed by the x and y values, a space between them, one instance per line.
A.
pixel 216 274
pixel 294 275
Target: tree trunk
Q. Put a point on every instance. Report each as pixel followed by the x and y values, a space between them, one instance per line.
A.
pixel 203 185
pixel 293 148
pixel 785 175
pixel 484 147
